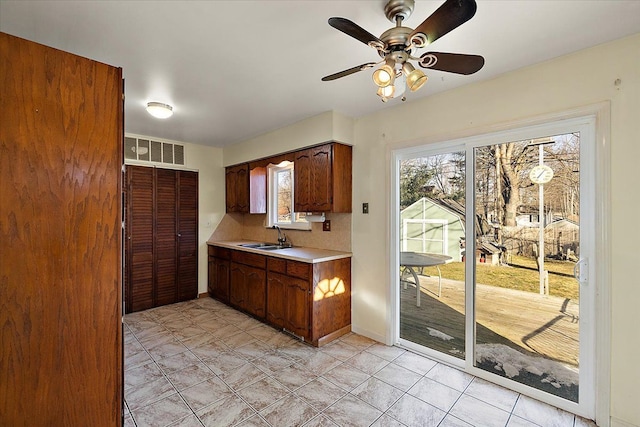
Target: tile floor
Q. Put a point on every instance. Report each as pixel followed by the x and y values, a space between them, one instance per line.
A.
pixel 201 363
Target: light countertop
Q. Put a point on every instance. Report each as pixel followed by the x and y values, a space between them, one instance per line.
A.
pixel 302 254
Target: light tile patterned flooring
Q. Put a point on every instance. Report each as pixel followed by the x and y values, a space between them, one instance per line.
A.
pixel 202 363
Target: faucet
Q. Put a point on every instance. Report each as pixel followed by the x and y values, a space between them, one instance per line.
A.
pixel 282 239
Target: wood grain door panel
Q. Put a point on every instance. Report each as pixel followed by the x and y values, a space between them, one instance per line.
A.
pixel 187 279
pixel 165 232
pixel 60 238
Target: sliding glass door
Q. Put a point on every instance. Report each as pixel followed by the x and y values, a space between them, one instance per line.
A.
pixel 494 237
pixel 432 233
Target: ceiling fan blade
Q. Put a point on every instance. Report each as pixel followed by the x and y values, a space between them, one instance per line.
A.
pixel 458 63
pixel 354 30
pixel 450 15
pixel 348 72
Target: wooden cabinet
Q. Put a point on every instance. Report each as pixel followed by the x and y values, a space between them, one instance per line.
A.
pixel 322 179
pixel 248 281
pixel 219 270
pixel 310 300
pixel 60 238
pixel 237 188
pixel 257 189
pixel 288 296
pixel 161 259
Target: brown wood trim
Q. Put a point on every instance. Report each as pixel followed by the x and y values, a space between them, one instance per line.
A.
pixel 203 295
pixel 287 155
pixel 333 335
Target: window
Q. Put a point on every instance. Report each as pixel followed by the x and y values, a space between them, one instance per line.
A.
pixel 280 207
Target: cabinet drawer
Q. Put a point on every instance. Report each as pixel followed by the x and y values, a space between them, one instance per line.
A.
pixel 301 270
pixel 219 252
pixel 248 258
pixel 277 265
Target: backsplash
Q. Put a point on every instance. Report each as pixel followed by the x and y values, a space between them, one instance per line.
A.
pixel 251 227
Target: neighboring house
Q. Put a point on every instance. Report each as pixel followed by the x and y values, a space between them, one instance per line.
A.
pixel 430 227
pixel 564 235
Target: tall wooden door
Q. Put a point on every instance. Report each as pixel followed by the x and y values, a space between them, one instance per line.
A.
pixel 139 274
pixel 187 279
pixel 165 236
pixel 60 238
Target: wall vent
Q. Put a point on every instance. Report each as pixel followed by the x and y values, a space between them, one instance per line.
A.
pixel 153 151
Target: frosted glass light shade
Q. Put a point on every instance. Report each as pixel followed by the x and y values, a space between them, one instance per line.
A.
pixel 415 78
pixel 159 110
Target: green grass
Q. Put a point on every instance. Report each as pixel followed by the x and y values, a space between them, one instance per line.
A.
pixel 521 274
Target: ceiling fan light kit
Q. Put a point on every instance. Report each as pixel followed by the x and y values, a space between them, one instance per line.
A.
pixel 397 45
pixel 159 110
pixel 385 75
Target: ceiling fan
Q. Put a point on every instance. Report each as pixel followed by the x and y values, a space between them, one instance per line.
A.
pixel 396 46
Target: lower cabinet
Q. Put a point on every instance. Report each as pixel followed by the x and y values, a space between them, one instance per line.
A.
pixel 309 300
pixel 219 267
pixel 248 291
pixel 248 283
pixel 288 299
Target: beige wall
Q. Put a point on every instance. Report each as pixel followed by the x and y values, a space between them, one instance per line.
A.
pixel 328 126
pixel 565 83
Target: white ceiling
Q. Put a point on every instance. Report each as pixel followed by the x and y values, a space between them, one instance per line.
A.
pixel 237 69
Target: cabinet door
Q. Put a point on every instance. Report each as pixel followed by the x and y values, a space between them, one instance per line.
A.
pixel 297 308
pixel 219 279
pixel 238 290
pixel 187 278
pixel 165 232
pixel 276 299
pixel 237 188
pixel 256 291
pixel 211 276
pixel 248 289
pixel 302 181
pixel 321 178
pixel 313 183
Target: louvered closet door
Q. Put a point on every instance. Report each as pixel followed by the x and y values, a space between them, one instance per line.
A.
pixel 165 237
pixel 187 235
pixel 139 245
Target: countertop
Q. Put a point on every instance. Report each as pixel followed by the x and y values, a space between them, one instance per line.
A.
pixel 296 253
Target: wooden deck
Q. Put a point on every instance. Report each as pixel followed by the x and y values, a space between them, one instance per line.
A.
pixel 531 323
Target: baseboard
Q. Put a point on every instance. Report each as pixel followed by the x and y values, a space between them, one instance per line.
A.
pixel 619 423
pixel 368 334
pixel 203 295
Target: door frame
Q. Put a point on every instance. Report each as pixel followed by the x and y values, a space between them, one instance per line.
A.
pixel 599 115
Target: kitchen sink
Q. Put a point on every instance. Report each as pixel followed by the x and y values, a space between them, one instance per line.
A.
pixel 265 246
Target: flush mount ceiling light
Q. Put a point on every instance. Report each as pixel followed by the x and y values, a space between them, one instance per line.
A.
pixel 159 110
pixel 396 46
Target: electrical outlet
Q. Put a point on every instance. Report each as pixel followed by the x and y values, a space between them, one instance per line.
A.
pixel 365 208
pixel 326 225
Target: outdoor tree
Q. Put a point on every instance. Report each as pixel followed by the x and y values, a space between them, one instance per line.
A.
pixel 415 181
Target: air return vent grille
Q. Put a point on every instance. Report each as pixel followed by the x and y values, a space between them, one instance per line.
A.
pixel 153 151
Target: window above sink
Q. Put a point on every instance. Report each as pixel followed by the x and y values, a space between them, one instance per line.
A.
pixel 280 194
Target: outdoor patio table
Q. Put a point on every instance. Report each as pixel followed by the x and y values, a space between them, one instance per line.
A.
pixel 410 260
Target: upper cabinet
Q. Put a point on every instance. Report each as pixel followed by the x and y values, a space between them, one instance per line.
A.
pixel 322 179
pixel 237 188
